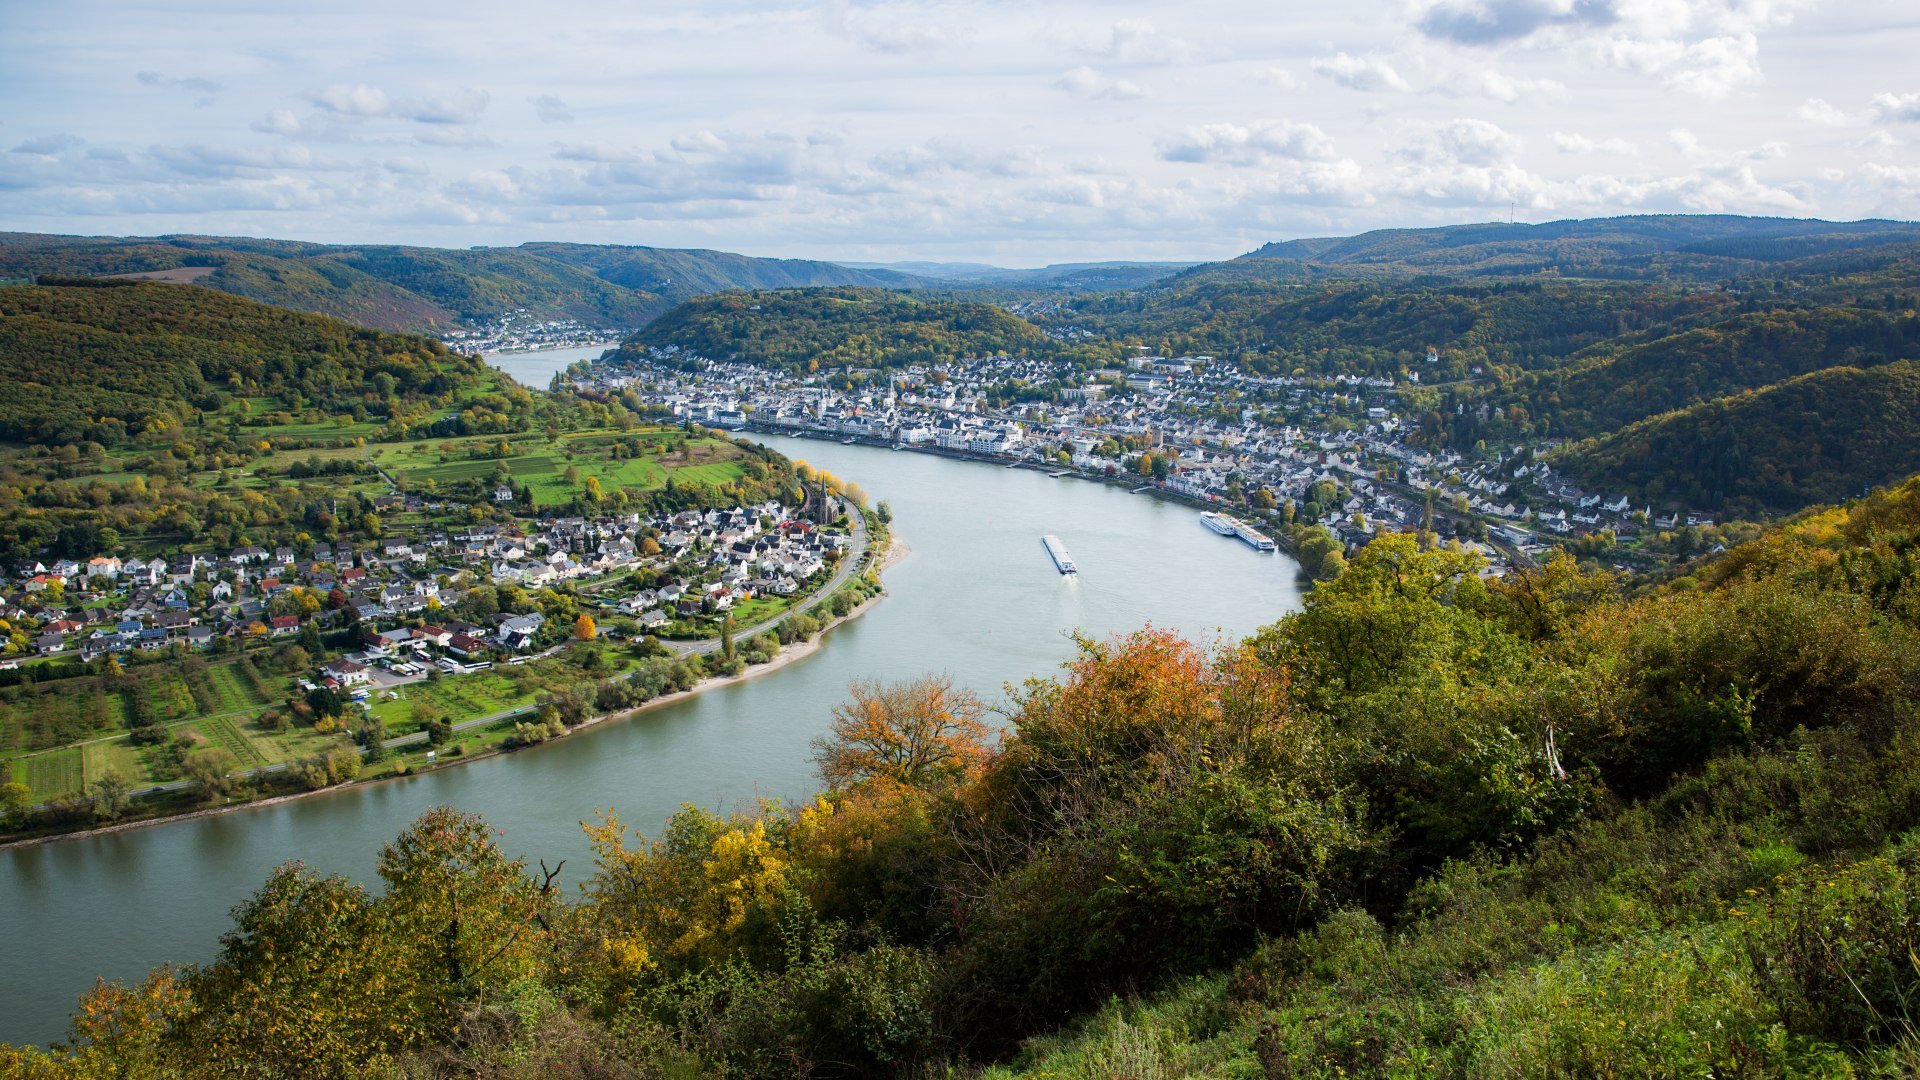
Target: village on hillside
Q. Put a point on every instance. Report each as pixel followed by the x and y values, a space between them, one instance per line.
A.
pixel 447 599
pixel 1290 450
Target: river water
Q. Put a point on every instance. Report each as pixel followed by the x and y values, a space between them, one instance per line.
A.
pixel 977 598
pixel 536 369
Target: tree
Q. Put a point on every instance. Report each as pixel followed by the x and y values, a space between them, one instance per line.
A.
pixel 211 767
pixel 110 796
pixel 884 511
pixel 916 733
pixel 16 799
pixel 726 637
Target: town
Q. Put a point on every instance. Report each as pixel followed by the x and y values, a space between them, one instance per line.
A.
pixel 1293 451
pixel 674 575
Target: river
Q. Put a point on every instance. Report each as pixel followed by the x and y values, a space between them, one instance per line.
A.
pixel 977 597
pixel 537 368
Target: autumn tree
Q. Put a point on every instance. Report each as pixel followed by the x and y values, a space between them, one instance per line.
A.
pixel 916 733
pixel 212 768
pixel 584 628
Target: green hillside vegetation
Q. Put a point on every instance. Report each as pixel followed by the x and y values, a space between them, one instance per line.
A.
pixel 1692 247
pixel 811 329
pixel 102 362
pixel 1622 383
pixel 1428 825
pixel 152 418
pixel 430 289
pixel 1815 438
pixel 1379 328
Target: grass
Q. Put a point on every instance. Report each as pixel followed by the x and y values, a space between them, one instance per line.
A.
pixel 761 608
pixel 97 759
pixel 53 774
pixel 223 732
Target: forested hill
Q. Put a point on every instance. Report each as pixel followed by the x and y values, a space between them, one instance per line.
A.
pixel 805 329
pixel 1655 247
pixel 426 289
pixel 1820 437
pixel 98 361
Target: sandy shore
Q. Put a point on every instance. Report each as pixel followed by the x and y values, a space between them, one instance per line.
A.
pixel 789 654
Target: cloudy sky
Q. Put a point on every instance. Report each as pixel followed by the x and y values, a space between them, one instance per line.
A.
pixel 1014 132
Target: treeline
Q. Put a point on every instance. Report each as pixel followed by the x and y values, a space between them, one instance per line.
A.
pixel 1817 438
pixel 1430 822
pixel 1655 247
pixel 1381 328
pixel 102 365
pixel 811 329
pixel 1746 351
pixel 422 289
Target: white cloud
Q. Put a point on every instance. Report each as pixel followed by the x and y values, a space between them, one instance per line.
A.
pixel 903 30
pixel 1895 108
pixel 1367 73
pixel 206 88
pixel 550 109
pixel 49 145
pixel 1491 22
pixel 280 122
pixel 357 99
pixel 1085 82
pixel 1136 41
pixel 1502 87
pixel 1712 68
pixel 1817 111
pixel 1572 142
pixel 1262 142
pixel 360 101
pixel 1465 142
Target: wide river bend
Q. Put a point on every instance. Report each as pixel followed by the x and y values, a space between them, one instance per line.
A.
pixel 977 598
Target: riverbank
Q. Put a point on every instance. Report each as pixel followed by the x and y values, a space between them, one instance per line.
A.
pixel 1121 481
pixel 793 653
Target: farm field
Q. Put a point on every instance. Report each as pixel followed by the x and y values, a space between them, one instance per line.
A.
pixel 643 460
pixel 59 736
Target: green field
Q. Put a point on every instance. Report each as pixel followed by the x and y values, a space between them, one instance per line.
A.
pixel 52 774
pixel 97 759
pixel 89 718
pixel 640 460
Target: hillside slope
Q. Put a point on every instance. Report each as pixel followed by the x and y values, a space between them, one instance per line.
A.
pixel 832 327
pixel 100 360
pixel 1685 247
pixel 1817 438
pixel 432 289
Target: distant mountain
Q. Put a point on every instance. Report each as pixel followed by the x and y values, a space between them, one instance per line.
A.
pixel 874 328
pixel 1676 246
pixel 427 289
pixel 1066 277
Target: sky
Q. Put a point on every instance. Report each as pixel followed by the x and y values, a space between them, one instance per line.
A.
pixel 1019 133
